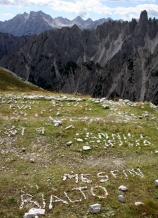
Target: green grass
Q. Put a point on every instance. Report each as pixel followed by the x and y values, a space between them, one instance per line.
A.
pixel 52 157
pixel 10 82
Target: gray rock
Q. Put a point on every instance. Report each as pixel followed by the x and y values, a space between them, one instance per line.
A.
pixel 121 198
pixel 95 208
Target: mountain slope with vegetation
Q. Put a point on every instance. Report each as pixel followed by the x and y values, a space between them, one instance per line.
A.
pixel 11 82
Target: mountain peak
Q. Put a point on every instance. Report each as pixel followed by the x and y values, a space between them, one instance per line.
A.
pixel 78 19
pixel 36 22
pixel 89 20
pixel 75 27
pixel 25 13
pixel 36 13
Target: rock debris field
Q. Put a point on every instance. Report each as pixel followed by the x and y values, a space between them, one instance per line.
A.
pixel 68 156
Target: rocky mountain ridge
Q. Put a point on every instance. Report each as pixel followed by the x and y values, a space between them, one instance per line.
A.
pixel 117 60
pixel 38 22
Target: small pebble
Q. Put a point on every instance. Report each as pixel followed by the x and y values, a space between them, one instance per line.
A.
pixel 57 123
pixel 69 143
pixel 121 198
pixel 23 149
pixel 95 208
pixel 86 148
pixel 123 188
pixel 156 182
pixel 138 203
pixel 32 160
pixel 69 127
pixel 79 140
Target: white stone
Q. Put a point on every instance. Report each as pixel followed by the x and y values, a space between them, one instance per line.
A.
pixel 69 143
pixel 35 213
pixel 79 140
pixel 95 208
pixel 23 131
pixel 69 127
pixel 121 198
pixel 123 188
pixel 153 106
pixel 57 123
pixel 32 160
pixel 156 182
pixel 138 203
pixel 86 148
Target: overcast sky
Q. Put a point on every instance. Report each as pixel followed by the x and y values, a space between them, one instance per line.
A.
pixel 116 9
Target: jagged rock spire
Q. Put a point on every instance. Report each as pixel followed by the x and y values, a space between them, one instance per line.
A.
pixel 143 17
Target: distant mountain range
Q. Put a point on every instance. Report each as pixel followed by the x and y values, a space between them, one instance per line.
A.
pixel 38 22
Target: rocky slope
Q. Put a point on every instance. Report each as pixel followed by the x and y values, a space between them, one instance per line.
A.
pixel 38 22
pixel 10 44
pixel 117 60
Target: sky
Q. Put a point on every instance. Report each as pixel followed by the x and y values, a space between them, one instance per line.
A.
pixel 95 9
